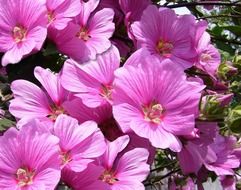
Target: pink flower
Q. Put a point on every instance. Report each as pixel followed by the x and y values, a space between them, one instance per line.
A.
pixel 32 102
pixel 79 144
pixel 85 180
pixel 29 159
pixel 209 58
pixel 125 172
pixel 156 102
pixel 102 115
pixel 92 81
pixel 88 34
pixel 22 29
pixel 133 10
pixel 227 160
pixel 196 147
pixel 115 6
pixel 228 182
pixel 61 12
pixel 162 33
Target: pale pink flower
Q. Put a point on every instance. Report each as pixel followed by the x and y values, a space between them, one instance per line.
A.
pixel 61 12
pixel 88 34
pixel 92 81
pixel 29 159
pixel 23 30
pixel 162 33
pixel 156 102
pixel 79 144
pixel 89 179
pixel 125 172
pixel 30 101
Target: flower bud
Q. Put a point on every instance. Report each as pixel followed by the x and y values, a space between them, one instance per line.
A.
pixel 226 70
pixel 237 61
pixel 234 119
pixel 213 106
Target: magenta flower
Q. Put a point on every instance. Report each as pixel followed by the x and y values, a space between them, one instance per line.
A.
pixel 88 34
pixel 102 115
pixel 133 10
pixel 196 147
pixel 125 172
pixel 156 102
pixel 227 160
pixel 22 29
pixel 88 179
pixel 228 182
pixel 60 12
pixel 79 144
pixel 208 56
pixel 162 33
pixel 32 102
pixel 92 81
pixel 115 6
pixel 29 159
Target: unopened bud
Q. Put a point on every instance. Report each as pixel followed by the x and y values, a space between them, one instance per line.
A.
pixel 227 70
pixel 234 119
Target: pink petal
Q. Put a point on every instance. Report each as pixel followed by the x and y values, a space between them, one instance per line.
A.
pixel 51 83
pixel 113 149
pixel 132 165
pixel 29 100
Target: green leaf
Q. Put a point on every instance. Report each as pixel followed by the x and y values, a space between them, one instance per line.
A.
pixel 50 50
pixel 236 30
pixel 5 124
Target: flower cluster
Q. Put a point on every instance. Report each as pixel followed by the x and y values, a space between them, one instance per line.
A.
pixel 128 91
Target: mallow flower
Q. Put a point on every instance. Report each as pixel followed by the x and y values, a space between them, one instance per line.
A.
pixel 29 159
pixel 88 34
pixel 79 144
pixel 30 101
pixel 92 81
pixel 23 30
pixel 127 171
pixel 155 101
pixel 163 34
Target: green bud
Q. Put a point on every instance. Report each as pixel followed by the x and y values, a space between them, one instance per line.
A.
pixel 212 108
pixel 234 119
pixel 226 70
pixel 237 61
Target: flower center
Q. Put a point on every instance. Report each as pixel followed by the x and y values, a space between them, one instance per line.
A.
pixel 65 157
pixel 106 91
pixel 108 177
pixel 56 111
pixel 51 16
pixel 24 176
pixel 83 34
pixel 19 33
pixel 153 112
pixel 205 57
pixel 164 48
